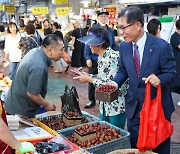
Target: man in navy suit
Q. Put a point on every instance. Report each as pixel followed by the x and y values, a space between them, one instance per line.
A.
pixel 156 65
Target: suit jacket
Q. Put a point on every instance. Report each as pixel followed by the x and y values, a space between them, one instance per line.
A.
pixel 158 59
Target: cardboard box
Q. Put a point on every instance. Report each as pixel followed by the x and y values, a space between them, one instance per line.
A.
pixel 71 121
pixel 85 137
pixel 106 96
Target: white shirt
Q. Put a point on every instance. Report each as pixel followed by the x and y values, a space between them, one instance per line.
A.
pixel 140 44
pixel 11 47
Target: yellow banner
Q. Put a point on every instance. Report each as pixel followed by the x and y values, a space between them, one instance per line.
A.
pixel 10 8
pixel 62 11
pixel 40 10
pixel 60 1
pixel 1 7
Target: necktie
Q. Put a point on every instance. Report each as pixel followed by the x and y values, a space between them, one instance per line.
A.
pixel 137 59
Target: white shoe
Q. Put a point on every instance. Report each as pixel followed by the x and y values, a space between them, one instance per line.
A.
pixel 178 103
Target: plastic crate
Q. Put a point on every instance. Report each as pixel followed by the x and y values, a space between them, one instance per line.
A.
pixel 84 114
pixel 103 148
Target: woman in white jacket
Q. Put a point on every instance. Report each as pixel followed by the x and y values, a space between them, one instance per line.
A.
pixel 12 51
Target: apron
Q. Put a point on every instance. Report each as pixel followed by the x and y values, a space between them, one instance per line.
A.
pixel 4 148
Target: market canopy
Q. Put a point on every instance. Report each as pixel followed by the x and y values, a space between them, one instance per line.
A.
pixel 138 2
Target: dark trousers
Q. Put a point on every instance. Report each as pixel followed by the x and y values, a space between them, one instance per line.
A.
pixel 133 128
pixel 91 88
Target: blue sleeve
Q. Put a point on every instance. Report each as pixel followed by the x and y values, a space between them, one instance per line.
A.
pixel 175 41
pixel 121 75
pixel 87 52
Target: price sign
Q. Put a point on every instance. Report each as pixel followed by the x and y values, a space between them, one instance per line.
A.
pixel 40 10
pixel 63 11
pixel 1 7
pixel 60 1
pixel 112 14
pixel 10 8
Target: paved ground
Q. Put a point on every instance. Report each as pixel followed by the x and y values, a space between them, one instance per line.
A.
pixel 57 81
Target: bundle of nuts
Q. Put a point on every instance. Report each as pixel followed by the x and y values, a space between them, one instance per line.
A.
pixel 57 123
pixel 84 129
pixel 104 133
pixel 72 114
pixel 106 88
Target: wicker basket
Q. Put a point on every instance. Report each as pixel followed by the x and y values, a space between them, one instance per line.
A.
pixel 126 151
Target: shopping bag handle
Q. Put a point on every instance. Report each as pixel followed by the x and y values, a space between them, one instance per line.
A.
pixel 148 91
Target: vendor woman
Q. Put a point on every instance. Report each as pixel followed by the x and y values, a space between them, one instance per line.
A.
pixel 7 141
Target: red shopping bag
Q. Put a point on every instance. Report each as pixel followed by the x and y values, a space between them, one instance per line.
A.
pixel 154 128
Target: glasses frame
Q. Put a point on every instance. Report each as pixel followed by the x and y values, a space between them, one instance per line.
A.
pixel 123 28
pixel 103 16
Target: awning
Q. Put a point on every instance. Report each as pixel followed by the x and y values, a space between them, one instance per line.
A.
pixel 139 2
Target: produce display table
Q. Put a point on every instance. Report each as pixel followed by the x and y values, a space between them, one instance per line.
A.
pixel 40 133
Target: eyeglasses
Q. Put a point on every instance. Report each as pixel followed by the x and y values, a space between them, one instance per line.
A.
pixel 123 28
pixel 103 16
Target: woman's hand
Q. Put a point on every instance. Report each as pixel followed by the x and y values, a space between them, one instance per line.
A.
pixel 89 63
pixel 84 77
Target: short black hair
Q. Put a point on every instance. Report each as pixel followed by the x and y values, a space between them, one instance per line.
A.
pixel 178 24
pixel 58 26
pixel 133 14
pixel 45 21
pixel 51 39
pixel 153 26
pixel 102 33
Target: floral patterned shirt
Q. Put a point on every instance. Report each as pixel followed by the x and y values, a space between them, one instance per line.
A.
pixel 28 43
pixel 107 68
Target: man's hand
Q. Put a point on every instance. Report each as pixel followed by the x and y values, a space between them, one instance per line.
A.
pixel 89 63
pixel 26 147
pixel 50 107
pixel 153 80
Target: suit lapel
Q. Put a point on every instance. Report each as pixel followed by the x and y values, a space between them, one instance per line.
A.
pixel 148 50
